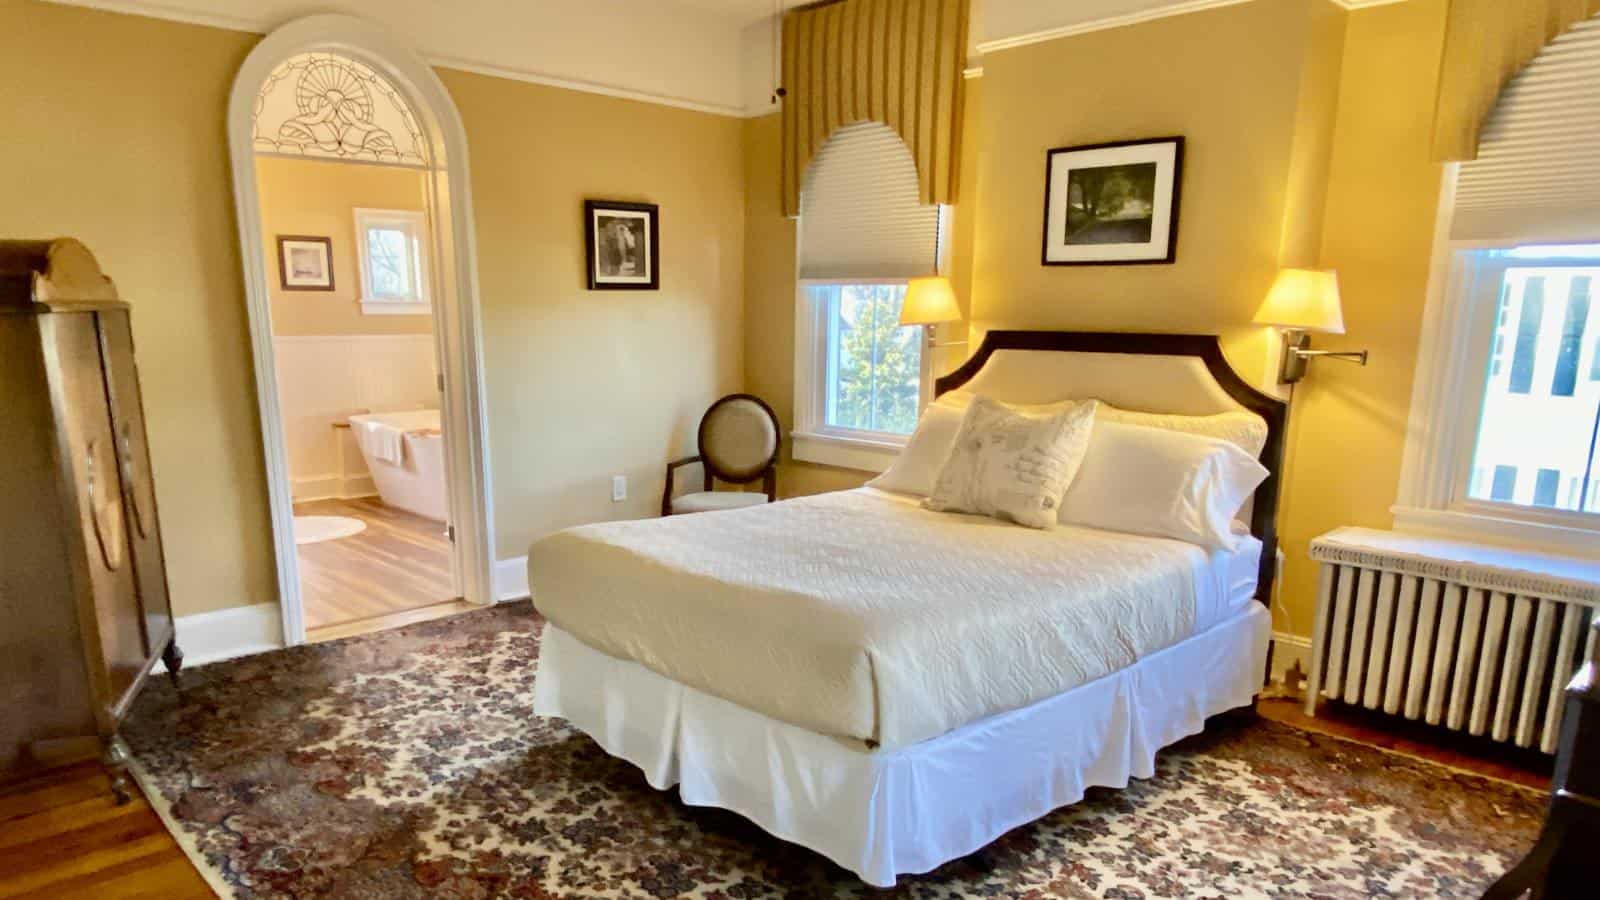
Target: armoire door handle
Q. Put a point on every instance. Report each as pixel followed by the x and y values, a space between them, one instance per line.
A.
pixel 125 463
pixel 107 519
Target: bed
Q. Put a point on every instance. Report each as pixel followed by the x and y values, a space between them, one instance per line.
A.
pixel 894 687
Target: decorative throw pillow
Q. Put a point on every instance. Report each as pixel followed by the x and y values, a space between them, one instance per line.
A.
pixel 1011 466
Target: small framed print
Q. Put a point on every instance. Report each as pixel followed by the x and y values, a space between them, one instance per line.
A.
pixel 623 241
pixel 305 263
pixel 1113 204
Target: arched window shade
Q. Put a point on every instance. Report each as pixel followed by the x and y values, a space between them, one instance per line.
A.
pixel 860 211
pixel 1537 173
pixel 1486 43
pixel 898 62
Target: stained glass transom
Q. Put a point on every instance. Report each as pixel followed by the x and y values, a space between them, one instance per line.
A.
pixel 331 106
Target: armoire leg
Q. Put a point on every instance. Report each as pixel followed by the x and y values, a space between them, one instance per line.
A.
pixel 173 658
pixel 116 763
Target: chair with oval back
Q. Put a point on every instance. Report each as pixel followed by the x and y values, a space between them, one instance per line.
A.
pixel 738 441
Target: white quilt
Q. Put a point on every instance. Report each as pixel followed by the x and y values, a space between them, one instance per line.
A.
pixel 856 614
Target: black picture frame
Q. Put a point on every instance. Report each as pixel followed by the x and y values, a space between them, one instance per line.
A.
pixel 603 262
pixel 285 282
pixel 1173 199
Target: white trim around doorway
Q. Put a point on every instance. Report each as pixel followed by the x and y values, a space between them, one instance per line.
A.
pixel 457 319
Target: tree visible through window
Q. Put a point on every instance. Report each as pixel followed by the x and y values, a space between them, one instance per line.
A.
pixel 874 366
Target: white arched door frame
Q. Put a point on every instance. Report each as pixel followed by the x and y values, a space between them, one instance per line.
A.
pixel 457 319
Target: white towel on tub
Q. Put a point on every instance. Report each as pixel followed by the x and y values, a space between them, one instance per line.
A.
pixel 380 441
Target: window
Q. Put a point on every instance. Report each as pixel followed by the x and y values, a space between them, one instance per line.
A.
pixel 1537 421
pixel 1505 410
pixel 873 379
pixel 393 246
pixel 860 378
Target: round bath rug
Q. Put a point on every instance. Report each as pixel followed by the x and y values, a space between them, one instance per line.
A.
pixel 316 529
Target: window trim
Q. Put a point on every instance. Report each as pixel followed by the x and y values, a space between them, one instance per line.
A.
pixel 813 440
pixel 1447 403
pixel 415 224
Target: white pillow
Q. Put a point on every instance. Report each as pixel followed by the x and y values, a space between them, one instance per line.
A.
pixel 1240 427
pixel 1012 466
pixel 1245 430
pixel 1163 483
pixel 916 469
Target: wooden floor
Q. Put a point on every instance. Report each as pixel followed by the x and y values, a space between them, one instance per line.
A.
pixel 62 835
pixel 400 563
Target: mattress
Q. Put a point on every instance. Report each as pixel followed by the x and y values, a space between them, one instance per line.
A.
pixel 860 615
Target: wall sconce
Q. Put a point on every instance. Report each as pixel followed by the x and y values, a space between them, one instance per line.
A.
pixel 929 302
pixel 1302 301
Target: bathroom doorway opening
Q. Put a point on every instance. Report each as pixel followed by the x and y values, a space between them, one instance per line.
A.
pixel 354 222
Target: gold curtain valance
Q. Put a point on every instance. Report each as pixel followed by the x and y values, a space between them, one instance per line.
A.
pixel 1486 43
pixel 898 62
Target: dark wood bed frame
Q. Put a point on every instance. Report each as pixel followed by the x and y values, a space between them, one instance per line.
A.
pixel 1206 348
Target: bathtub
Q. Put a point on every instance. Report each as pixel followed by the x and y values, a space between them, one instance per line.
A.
pixel 417 482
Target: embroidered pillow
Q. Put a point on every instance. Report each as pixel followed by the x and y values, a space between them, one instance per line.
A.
pixel 1011 466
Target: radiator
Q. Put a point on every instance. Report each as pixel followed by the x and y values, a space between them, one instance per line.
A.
pixel 1472 638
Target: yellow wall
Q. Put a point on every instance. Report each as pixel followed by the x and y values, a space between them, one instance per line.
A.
pixel 120 139
pixel 1347 425
pixel 319 197
pixel 116 136
pixel 1229 81
pixel 587 384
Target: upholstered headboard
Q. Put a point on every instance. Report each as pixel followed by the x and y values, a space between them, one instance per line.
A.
pixel 1166 373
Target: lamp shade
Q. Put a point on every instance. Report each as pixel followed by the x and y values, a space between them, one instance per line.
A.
pixel 929 301
pixel 1307 299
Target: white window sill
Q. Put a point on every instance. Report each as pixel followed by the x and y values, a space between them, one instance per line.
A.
pixel 1500 530
pixel 394 308
pixel 856 453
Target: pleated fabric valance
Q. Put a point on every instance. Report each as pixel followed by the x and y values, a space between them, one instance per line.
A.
pixel 898 62
pixel 1486 43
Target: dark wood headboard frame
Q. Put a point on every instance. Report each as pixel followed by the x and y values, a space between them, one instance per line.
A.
pixel 1205 347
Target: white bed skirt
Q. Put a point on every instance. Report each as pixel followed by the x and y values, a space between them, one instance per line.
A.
pixel 885 813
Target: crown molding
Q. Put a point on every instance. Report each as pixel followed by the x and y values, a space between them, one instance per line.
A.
pixel 1184 7
pixel 265 25
pixel 587 87
pixel 1134 18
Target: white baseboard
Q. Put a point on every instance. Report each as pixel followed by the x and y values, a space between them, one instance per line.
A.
pixel 227 633
pixel 332 487
pixel 511 579
pixel 1288 649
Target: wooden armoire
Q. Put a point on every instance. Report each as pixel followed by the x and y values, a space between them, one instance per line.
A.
pixel 84 614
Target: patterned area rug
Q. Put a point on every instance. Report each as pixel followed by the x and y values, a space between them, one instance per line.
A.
pixel 409 764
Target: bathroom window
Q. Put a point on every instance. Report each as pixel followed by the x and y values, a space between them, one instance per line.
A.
pixel 393 246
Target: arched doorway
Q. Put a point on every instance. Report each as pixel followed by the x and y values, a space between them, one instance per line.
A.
pixel 437 139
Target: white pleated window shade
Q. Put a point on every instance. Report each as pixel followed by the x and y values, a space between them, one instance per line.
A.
pixel 859 210
pixel 1537 175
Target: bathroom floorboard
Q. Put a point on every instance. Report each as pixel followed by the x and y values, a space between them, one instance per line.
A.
pixel 400 562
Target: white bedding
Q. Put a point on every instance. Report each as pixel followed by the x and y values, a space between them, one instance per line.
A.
pixel 860 615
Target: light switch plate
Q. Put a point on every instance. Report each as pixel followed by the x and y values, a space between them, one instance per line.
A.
pixel 619 488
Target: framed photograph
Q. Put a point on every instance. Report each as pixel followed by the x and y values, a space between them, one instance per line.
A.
pixel 623 241
pixel 1113 204
pixel 305 263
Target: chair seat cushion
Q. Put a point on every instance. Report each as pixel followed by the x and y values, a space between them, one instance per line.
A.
pixel 706 501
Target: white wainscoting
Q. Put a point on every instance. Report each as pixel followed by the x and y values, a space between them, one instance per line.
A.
pixel 324 378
